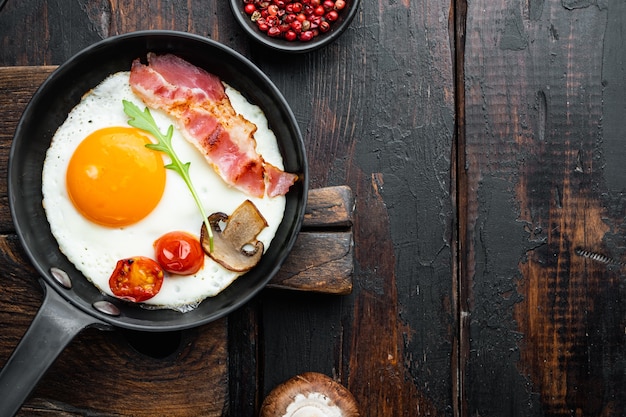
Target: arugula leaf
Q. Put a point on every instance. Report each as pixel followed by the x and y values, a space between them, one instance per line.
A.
pixel 145 121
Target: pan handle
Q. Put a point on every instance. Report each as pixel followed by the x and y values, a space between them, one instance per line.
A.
pixel 55 325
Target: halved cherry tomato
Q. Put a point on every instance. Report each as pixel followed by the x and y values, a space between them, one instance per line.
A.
pixel 136 279
pixel 179 253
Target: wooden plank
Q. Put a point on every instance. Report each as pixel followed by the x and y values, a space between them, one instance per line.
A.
pixel 377 112
pixel 329 207
pixel 322 260
pixel 545 334
pixel 17 85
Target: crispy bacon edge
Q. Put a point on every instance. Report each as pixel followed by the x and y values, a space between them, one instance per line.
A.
pixel 197 101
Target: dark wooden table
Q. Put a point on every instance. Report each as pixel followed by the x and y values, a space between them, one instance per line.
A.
pixel 484 145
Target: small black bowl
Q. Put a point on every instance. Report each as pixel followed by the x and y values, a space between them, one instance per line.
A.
pixel 336 29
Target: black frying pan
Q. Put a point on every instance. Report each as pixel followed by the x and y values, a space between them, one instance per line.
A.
pixel 69 308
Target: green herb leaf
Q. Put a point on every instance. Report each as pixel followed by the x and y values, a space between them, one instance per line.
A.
pixel 143 120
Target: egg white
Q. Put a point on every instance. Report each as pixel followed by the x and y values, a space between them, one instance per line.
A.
pixel 95 249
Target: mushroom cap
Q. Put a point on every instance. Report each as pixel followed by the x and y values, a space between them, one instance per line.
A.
pixel 236 247
pixel 310 394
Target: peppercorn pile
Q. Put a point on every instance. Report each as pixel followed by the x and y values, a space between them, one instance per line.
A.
pixel 300 20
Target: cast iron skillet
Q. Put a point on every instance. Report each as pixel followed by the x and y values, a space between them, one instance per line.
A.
pixel 67 311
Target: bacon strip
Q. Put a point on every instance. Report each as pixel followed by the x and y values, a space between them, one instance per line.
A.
pixel 206 118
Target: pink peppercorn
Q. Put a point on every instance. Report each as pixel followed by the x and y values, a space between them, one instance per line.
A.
pixel 292 20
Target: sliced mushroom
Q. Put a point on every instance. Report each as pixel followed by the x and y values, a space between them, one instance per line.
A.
pixel 235 246
pixel 310 394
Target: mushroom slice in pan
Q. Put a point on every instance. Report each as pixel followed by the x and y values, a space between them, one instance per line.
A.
pixel 236 247
pixel 309 394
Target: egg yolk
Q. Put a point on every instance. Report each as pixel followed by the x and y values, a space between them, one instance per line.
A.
pixel 113 179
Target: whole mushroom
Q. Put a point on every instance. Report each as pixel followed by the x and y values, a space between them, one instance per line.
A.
pixel 310 394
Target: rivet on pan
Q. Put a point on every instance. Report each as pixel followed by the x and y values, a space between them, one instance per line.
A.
pixel 61 277
pixel 106 308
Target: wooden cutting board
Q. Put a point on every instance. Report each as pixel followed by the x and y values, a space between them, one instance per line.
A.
pixel 126 373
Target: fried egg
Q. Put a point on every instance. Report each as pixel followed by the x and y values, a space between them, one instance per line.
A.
pixel 139 200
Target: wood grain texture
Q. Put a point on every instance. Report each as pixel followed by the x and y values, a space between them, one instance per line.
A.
pixel 377 111
pixel 546 329
pixel 17 85
pixel 329 207
pixel 322 260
